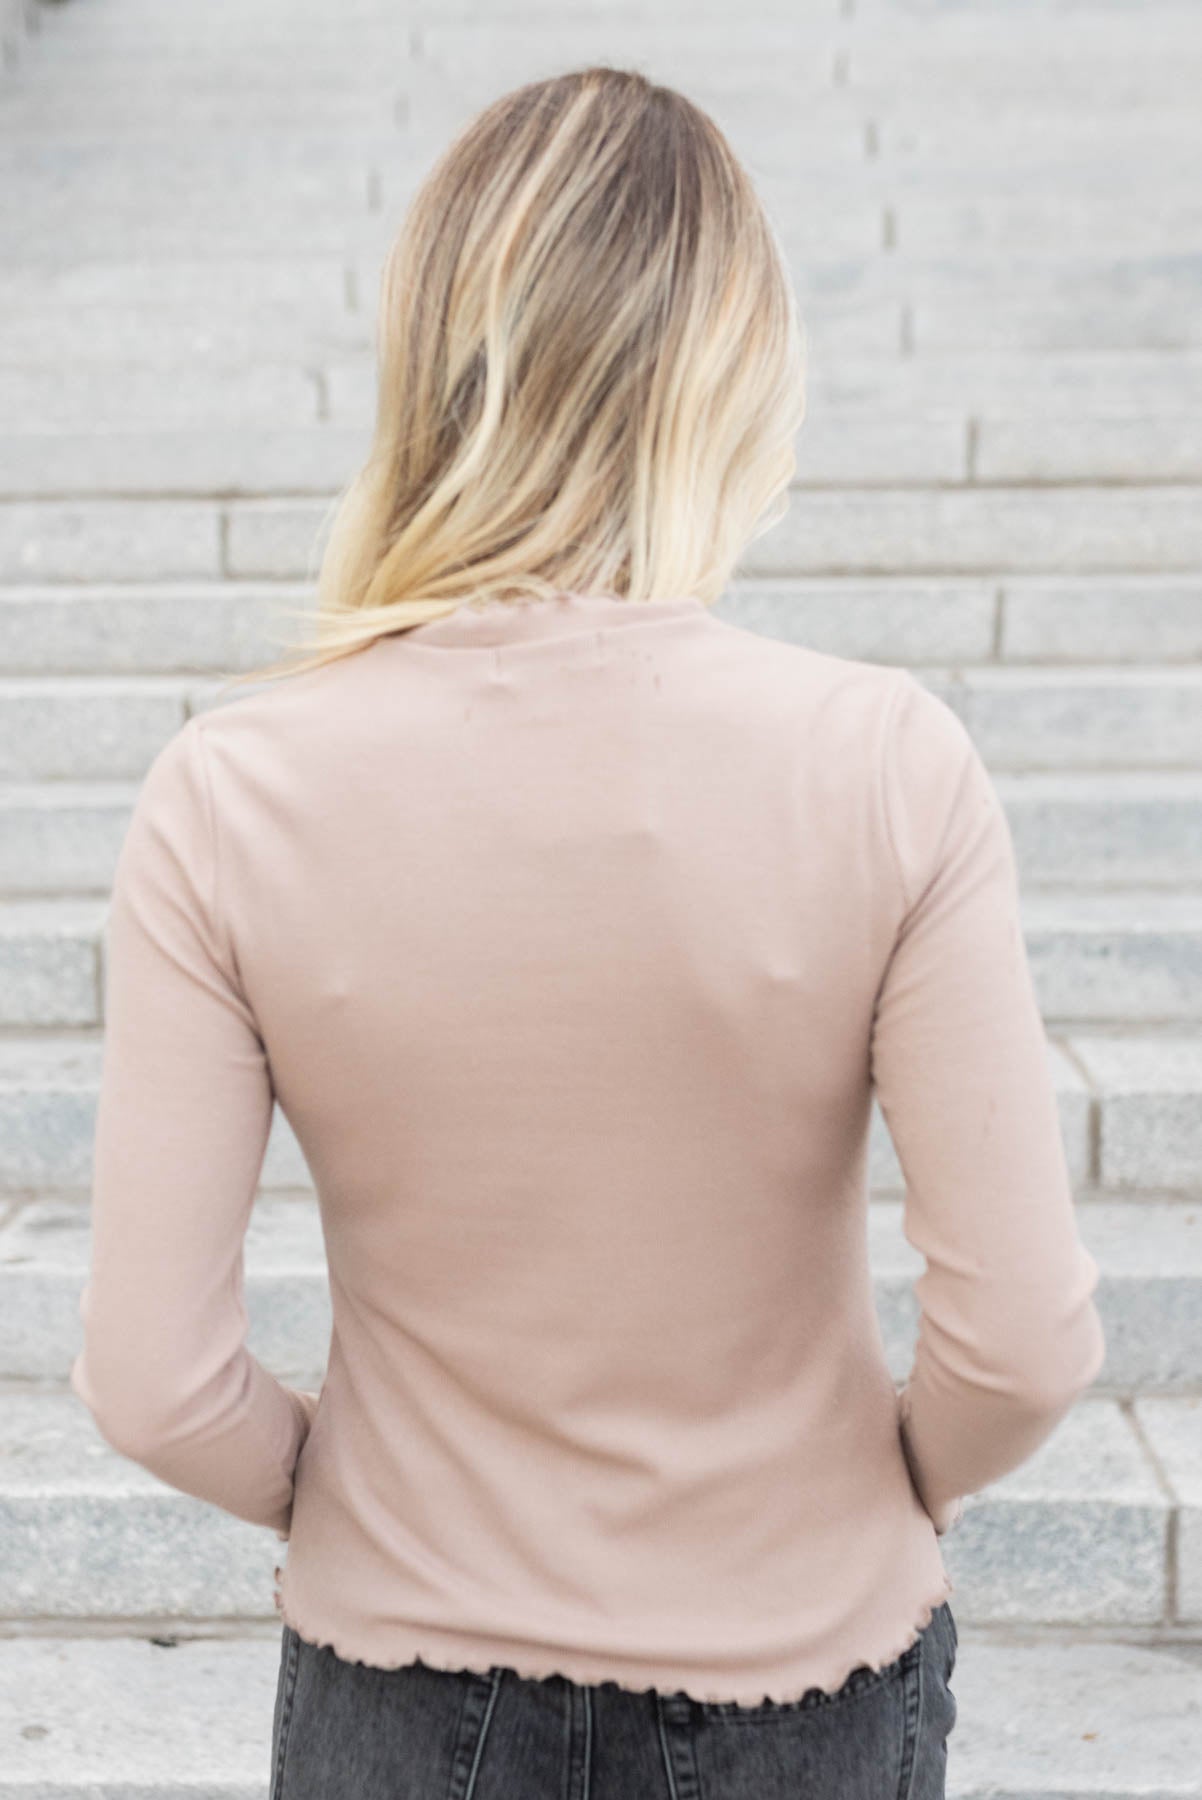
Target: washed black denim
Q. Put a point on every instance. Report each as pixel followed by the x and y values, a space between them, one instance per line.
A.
pixel 348 1731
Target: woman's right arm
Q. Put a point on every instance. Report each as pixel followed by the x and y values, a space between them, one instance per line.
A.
pixel 1009 1336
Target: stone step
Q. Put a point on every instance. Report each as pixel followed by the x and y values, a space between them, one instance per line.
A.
pixel 137 335
pixel 108 727
pixel 222 425
pixel 377 44
pixel 174 453
pixel 132 19
pixel 883 13
pixel 400 128
pixel 125 1714
pixel 47 104
pixel 1050 141
pixel 1025 134
pixel 1147 448
pixel 1153 314
pixel 118 429
pixel 827 531
pixel 338 180
pixel 1122 958
pixel 1007 383
pixel 1149 1252
pixel 356 229
pixel 193 628
pixel 884 60
pixel 340 66
pixel 1079 718
pixel 877 312
pixel 46 213
pixel 1124 828
pixel 232 289
pixel 892 57
pixel 1126 306
pixel 127 540
pixel 1088 294
pixel 199 392
pixel 1054 530
pixel 1048 220
pixel 186 442
pixel 303 186
pixel 1079 1535
pixel 840 448
pixel 213 627
pixel 990 620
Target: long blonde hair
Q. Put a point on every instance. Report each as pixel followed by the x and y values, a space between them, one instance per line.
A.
pixel 591 369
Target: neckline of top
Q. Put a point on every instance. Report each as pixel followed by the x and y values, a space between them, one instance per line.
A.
pixel 472 625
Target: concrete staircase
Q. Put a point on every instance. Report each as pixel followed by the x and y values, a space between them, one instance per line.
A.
pixel 993 217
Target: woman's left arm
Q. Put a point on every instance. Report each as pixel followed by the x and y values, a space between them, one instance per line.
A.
pixel 182 1122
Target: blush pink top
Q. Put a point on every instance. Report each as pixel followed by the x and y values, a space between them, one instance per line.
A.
pixel 573 938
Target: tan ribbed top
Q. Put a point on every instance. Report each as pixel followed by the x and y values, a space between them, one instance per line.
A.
pixel 572 939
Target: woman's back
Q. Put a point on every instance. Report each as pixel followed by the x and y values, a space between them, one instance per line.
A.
pixel 572 939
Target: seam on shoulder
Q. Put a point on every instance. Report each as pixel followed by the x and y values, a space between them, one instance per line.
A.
pixel 221 929
pixel 196 726
pixel 902 685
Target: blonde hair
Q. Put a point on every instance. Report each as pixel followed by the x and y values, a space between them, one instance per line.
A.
pixel 591 369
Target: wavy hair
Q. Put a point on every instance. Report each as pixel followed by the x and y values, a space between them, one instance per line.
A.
pixel 591 370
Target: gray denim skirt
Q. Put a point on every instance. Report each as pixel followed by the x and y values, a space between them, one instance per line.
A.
pixel 350 1731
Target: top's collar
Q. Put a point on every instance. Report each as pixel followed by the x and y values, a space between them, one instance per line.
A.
pixel 494 621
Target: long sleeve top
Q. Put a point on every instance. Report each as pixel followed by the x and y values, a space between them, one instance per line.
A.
pixel 575 940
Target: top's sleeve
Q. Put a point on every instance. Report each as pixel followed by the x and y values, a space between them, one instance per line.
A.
pixel 181 1127
pixel 1009 1335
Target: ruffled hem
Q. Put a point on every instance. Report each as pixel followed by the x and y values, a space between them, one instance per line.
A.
pixel 528 1668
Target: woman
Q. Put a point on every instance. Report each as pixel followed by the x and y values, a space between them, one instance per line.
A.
pixel 574 930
